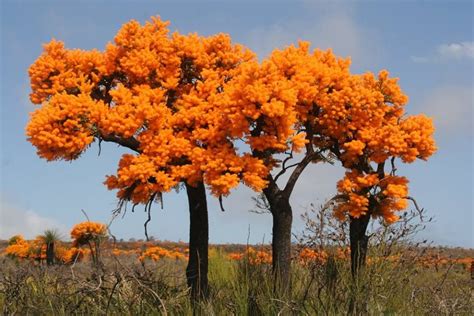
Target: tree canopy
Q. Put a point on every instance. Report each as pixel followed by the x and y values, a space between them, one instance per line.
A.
pixel 152 92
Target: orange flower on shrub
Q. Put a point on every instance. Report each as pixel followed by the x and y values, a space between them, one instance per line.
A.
pixel 84 232
pixel 156 253
pixel 18 247
pixel 308 255
pixel 235 256
pixel 73 254
pixel 254 257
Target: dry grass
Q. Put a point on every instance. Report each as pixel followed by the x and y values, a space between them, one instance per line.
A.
pixel 124 286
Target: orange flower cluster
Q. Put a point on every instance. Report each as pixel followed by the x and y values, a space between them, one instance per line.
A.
pixel 184 102
pixel 85 232
pixel 307 255
pixel 124 252
pixel 236 256
pixel 359 118
pixel 391 195
pixel 156 253
pixel 254 257
pixel 436 261
pixel 72 255
pixel 160 90
pixel 18 247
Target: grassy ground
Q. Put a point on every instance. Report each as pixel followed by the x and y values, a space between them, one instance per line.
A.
pixel 126 286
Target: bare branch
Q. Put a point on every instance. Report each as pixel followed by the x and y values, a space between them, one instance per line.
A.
pixel 420 210
pixel 85 214
pixel 336 198
pixel 394 169
pixel 284 169
pixel 298 170
pixel 131 142
pixel 148 210
pixel 283 165
pixel 221 204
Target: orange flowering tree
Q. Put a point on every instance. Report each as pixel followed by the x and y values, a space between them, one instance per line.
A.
pixel 90 234
pixel 273 107
pixel 366 128
pixel 311 101
pixel 156 94
pixel 298 100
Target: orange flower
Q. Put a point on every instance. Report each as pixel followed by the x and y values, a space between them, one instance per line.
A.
pixel 84 232
pixel 156 253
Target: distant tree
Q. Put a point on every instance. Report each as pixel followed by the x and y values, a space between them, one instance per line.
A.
pixel 51 239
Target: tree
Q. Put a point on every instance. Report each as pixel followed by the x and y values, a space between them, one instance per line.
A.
pixel 155 94
pixel 310 101
pixel 91 234
pixel 370 129
pixel 50 238
pixel 275 108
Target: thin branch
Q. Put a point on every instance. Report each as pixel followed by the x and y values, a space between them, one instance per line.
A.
pixel 85 214
pixel 420 210
pixel 394 169
pixel 283 165
pixel 221 204
pixel 100 147
pixel 336 198
pixel 297 172
pixel 148 210
pixel 285 168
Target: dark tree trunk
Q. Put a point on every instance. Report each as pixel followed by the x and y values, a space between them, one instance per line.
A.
pixel 281 244
pixel 50 253
pixel 281 238
pixel 196 271
pixel 359 242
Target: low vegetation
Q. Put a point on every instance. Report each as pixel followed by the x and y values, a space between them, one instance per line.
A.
pixel 401 277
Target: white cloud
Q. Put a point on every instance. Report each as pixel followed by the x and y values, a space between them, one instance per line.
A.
pixel 457 50
pixel 452 51
pixel 451 107
pixel 14 220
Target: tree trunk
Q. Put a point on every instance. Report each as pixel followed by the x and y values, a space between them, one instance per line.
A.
pixel 50 253
pixel 281 242
pixel 196 271
pixel 359 242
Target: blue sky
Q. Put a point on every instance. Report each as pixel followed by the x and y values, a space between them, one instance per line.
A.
pixel 428 44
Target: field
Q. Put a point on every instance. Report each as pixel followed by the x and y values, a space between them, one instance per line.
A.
pixel 404 281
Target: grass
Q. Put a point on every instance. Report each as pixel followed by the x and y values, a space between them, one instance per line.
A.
pixel 125 286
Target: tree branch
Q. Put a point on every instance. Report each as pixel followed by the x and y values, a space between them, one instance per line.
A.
pixel 131 142
pixel 297 172
pixel 284 167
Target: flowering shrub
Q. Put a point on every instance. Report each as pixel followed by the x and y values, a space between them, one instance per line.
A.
pixel 156 253
pixel 91 234
pixel 73 254
pixel 254 257
pixel 18 247
pixel 85 232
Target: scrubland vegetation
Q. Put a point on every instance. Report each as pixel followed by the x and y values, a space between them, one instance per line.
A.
pixel 401 277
